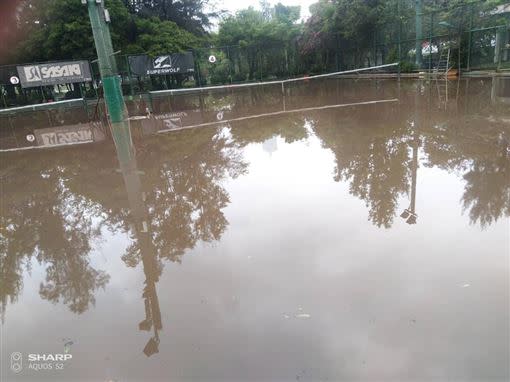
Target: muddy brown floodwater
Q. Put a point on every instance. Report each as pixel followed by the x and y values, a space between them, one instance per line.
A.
pixel 343 230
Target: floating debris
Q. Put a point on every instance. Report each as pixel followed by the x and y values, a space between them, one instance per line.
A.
pixel 303 315
pixel 466 285
pixel 67 345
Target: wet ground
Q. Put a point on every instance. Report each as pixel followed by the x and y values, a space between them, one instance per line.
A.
pixel 341 230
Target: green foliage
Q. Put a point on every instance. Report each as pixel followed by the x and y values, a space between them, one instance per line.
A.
pixel 192 15
pixel 63 31
pixel 262 44
pixel 156 36
pixel 407 67
pixel 265 38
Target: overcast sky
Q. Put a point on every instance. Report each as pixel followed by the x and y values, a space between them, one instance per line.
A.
pixel 235 5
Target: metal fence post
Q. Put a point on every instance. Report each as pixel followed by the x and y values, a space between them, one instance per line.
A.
pixel 229 64
pixel 419 32
pixel 399 38
pixel 198 80
pixel 375 48
pixel 500 44
pixel 129 77
pixel 337 58
pixel 470 36
pixel 84 99
pixel 430 39
pixel 3 96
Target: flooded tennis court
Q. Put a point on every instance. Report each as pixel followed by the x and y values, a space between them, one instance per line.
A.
pixel 332 230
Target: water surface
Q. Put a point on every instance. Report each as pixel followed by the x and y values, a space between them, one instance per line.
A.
pixel 341 230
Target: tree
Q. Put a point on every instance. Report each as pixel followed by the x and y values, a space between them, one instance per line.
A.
pixel 265 38
pixel 47 222
pixel 191 15
pixel 60 29
pixel 349 25
pixel 155 36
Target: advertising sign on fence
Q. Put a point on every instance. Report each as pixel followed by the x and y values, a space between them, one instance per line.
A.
pixel 143 65
pixel 53 73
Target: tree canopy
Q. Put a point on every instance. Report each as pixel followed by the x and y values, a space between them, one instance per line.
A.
pixel 267 41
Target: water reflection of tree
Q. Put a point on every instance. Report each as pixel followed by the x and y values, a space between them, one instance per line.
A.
pixel 372 145
pixel 289 127
pixel 479 151
pixel 46 222
pixel 185 198
pixel 371 154
pixel 52 220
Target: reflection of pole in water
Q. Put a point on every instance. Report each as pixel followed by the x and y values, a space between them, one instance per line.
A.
pixel 409 214
pixel 131 175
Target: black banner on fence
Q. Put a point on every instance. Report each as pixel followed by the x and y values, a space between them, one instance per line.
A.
pixel 8 75
pixel 144 65
pixel 53 73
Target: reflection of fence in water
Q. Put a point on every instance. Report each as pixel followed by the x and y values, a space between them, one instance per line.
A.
pixel 69 123
pixel 226 106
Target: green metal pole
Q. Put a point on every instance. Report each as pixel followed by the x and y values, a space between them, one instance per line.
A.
pixel 111 81
pixel 419 31
pixel 106 61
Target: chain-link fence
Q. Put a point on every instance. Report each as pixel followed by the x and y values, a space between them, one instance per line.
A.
pixel 476 36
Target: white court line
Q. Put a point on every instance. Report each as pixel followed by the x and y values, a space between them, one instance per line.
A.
pixel 281 113
pixel 172 91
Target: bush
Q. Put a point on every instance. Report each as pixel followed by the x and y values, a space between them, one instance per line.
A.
pixel 407 67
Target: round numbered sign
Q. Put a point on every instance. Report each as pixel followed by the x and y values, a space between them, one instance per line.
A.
pixel 212 59
pixel 219 116
pixel 30 137
pixel 14 80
